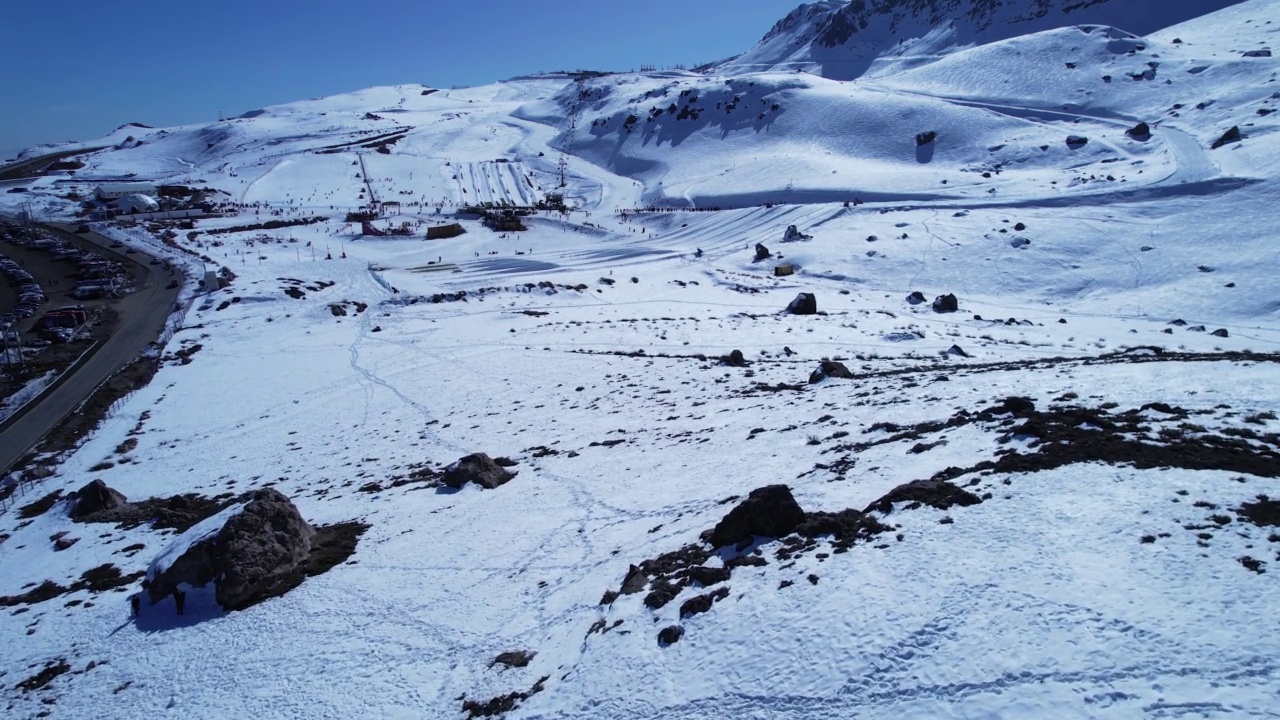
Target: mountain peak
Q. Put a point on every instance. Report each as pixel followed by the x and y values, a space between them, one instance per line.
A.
pixel 846 40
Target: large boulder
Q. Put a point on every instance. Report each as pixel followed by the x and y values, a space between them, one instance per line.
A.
pixel 804 304
pixel 670 635
pixel 946 303
pixel 1140 131
pixel 770 511
pixel 95 498
pixel 830 368
pixel 1230 136
pixel 248 551
pixel 762 252
pixel 477 468
pixel 793 234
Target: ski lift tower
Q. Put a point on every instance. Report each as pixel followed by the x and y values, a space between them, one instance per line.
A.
pixel 573 128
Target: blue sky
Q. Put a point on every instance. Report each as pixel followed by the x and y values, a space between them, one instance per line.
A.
pixel 77 69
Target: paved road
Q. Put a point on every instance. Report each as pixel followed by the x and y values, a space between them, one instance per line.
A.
pixel 142 319
pixel 33 167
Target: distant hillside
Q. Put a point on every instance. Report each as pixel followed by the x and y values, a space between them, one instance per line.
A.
pixel 846 40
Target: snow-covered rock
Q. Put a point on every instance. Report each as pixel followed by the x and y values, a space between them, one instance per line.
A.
pixel 246 551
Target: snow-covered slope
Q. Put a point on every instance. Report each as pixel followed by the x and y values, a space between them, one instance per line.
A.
pixel 1112 557
pixel 847 40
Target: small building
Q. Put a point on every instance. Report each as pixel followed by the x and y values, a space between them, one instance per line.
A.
pixel 441 232
pixel 115 191
pixel 136 203
pixel 211 281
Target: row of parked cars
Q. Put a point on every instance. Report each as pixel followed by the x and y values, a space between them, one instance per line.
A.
pixel 96 276
pixel 30 296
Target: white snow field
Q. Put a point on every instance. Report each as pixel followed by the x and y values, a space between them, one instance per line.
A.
pixel 1119 563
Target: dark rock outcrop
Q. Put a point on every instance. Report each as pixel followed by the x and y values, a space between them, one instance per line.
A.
pixel 663 592
pixel 1141 130
pixel 793 234
pixel 1077 141
pixel 259 547
pixel 762 252
pixel 706 576
pixel 735 359
pixel 916 297
pixel 514 658
pixel 256 550
pixel 94 498
pixel 926 137
pixel 845 528
pixel 477 468
pixel 934 493
pixel 1228 137
pixel 670 635
pixel 804 304
pixel 1015 405
pixel 770 511
pixel 946 303
pixel 829 368
pixel 702 603
pixel 635 581
pixel 1263 512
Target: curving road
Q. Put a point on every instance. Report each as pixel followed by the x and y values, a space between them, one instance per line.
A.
pixel 32 167
pixel 142 319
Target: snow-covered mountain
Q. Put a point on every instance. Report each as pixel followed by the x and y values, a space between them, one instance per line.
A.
pixel 846 40
pixel 1048 494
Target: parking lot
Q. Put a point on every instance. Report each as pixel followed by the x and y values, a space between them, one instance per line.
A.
pixel 42 273
pixel 126 327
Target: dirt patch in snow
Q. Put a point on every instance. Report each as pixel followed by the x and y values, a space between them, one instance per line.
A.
pixel 502 703
pixel 39 507
pixel 178 512
pixel 1263 512
pixel 46 675
pixel 99 579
